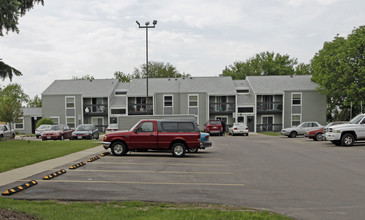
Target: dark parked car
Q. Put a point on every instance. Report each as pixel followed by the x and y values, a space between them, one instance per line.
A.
pixel 214 127
pixel 57 132
pixel 85 131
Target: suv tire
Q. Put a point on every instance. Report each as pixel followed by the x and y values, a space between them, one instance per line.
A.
pixel 178 150
pixel 347 140
pixel 119 148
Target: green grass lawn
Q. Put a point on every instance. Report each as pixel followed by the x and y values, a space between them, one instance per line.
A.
pixel 19 153
pixel 270 133
pixel 132 210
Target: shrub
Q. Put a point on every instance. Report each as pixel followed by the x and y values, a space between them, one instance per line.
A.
pixel 44 121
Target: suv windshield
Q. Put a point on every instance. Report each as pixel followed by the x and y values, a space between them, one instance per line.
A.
pixel 356 120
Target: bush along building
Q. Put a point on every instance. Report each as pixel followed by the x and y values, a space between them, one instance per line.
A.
pixel 264 103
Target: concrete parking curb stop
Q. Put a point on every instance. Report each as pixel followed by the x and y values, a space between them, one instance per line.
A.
pixel 77 165
pixel 55 174
pixel 93 159
pixel 22 187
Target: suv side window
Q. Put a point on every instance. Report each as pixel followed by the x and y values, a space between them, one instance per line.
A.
pixel 145 127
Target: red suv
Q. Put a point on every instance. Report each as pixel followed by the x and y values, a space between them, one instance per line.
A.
pixel 214 127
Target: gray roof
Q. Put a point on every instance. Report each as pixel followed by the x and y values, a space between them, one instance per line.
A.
pixel 241 84
pixel 86 88
pixel 278 84
pixel 32 112
pixel 211 85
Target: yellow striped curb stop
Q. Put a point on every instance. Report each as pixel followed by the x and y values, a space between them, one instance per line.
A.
pixel 22 187
pixel 77 165
pixel 93 159
pixel 105 153
pixel 55 174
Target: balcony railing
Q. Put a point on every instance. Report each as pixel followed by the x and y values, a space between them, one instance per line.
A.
pixel 140 109
pixel 268 127
pixel 269 107
pixel 96 110
pixel 222 108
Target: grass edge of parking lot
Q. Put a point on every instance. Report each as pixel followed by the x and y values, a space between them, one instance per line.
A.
pixel 270 133
pixel 128 210
pixel 20 153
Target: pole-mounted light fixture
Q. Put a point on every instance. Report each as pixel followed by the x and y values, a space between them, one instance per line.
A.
pixel 147 25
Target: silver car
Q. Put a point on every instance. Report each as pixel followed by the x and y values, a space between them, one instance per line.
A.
pixel 300 129
pixel 41 129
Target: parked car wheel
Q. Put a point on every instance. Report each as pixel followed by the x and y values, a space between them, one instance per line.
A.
pixel 293 134
pixel 318 137
pixel 347 140
pixel 119 149
pixel 178 150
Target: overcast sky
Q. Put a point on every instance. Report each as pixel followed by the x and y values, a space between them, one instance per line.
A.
pixel 63 39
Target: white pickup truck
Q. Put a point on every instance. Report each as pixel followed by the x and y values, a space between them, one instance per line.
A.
pixel 5 132
pixel 347 134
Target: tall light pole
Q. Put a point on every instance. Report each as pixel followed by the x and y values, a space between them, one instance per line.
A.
pixel 146 27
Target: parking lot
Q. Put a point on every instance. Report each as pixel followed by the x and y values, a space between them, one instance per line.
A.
pixel 297 177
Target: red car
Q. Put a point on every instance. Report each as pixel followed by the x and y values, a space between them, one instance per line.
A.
pixel 318 135
pixel 57 132
pixel 214 127
pixel 177 136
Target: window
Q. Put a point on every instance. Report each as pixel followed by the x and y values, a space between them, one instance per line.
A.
pixel 167 101
pixel 177 127
pixel 19 124
pixel 70 122
pixel 113 120
pixel 193 100
pixel 296 99
pixel 120 93
pixel 243 91
pixel 146 127
pixel 120 111
pixel 245 109
pixel 55 119
pixel 185 126
pixel 70 102
pixel 295 120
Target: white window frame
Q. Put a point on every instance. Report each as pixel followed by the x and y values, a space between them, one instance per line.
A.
pixel 300 105
pixel 197 105
pixel 172 103
pixel 66 97
pixel 57 117
pixel 248 91
pixel 120 90
pixel 272 116
pixel 74 118
pixel 21 118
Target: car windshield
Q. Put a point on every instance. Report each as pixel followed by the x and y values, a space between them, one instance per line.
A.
pixel 55 128
pixel 215 122
pixel 84 128
pixel 44 126
pixel 356 120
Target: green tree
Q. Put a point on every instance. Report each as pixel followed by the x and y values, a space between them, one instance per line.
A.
pixel 339 69
pixel 11 99
pixel 158 70
pixel 266 63
pixel 36 102
pixel 122 77
pixel 43 121
pixel 10 10
pixel 87 76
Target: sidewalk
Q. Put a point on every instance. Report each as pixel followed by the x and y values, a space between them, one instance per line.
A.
pixel 24 172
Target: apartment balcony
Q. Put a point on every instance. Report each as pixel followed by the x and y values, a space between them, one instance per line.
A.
pixel 222 108
pixel 140 109
pixel 268 127
pixel 269 107
pixel 96 110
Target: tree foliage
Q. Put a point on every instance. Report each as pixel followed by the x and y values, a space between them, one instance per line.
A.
pixel 36 102
pixel 158 70
pixel 122 77
pixel 266 63
pixel 11 99
pixel 10 10
pixel 86 77
pixel 339 69
pixel 44 121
